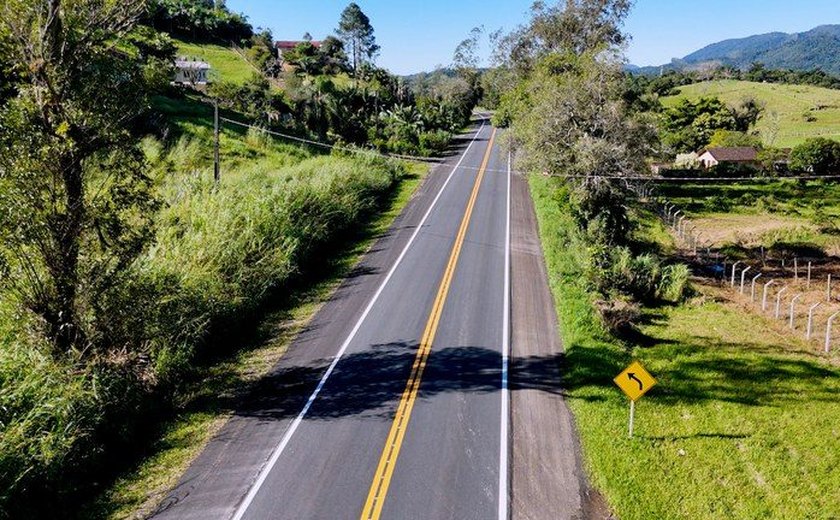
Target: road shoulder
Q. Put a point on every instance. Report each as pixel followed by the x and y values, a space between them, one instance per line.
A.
pixel 547 478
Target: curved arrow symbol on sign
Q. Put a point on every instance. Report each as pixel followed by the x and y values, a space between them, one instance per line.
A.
pixel 631 376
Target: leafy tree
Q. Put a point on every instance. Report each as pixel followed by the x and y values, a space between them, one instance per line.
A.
pixel 689 125
pixel 304 58
pixel 356 32
pixel 574 26
pixel 818 155
pixel 333 57
pixel 76 204
pixel 199 19
pixel 732 139
pixel 466 61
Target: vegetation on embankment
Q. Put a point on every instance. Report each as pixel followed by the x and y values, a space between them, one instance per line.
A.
pixel 742 425
pixel 792 113
pixel 218 257
pixel 208 399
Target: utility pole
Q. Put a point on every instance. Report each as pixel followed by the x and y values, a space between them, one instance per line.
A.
pixel 216 166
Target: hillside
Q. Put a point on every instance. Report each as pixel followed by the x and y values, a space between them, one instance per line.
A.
pixel 793 113
pixel 227 63
pixel 818 48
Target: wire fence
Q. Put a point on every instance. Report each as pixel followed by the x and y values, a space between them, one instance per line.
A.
pixel 799 294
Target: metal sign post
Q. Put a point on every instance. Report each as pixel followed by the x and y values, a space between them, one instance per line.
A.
pixel 635 382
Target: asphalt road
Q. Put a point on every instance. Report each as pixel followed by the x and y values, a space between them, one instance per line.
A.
pixel 393 403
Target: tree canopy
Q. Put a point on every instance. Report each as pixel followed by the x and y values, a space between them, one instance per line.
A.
pixel 356 32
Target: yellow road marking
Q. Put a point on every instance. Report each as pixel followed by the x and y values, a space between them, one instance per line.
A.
pixel 385 469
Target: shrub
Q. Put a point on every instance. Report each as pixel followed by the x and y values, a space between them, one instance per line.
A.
pixel 435 143
pixel 673 284
pixel 717 203
pixel 818 155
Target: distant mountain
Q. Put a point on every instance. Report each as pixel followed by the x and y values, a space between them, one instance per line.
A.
pixel 818 48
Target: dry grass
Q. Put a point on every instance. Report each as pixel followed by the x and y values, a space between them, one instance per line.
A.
pixel 745 229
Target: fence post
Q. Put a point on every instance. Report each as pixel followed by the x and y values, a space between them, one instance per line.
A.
pixel 216 165
pixel 744 277
pixel 764 295
pixel 811 319
pixel 828 332
pixel 752 287
pixel 809 276
pixel 779 294
pixel 734 270
pixel 796 268
pixel 828 289
pixel 793 308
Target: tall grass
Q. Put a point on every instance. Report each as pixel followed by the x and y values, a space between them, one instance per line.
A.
pixel 219 253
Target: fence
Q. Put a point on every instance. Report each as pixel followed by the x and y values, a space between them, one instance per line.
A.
pixel 799 292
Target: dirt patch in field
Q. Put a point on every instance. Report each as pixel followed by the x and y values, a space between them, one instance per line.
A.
pixel 746 230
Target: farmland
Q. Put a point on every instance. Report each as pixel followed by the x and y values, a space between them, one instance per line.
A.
pixel 792 113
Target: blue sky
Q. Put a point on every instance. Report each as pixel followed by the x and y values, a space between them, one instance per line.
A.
pixel 418 35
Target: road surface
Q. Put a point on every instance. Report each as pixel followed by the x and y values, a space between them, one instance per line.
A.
pixel 395 402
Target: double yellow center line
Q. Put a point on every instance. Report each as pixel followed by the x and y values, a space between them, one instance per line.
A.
pixel 385 469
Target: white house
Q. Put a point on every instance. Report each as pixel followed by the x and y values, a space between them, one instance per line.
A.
pixel 191 72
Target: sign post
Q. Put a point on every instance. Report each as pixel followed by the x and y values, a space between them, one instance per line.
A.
pixel 635 382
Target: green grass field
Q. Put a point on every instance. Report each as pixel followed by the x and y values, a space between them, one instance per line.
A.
pixel 741 426
pixel 784 123
pixel 227 64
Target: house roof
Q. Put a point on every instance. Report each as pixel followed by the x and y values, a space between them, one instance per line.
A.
pixel 738 154
pixel 291 44
pixel 183 63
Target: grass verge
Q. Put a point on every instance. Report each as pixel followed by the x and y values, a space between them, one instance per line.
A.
pixel 743 424
pixel 208 403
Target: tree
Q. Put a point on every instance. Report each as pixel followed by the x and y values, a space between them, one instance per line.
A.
pixel 466 62
pixel 733 139
pixel 76 208
pixel 333 56
pixel 356 32
pixel 818 155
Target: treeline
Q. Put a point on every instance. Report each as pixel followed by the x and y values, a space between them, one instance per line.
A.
pixel 668 83
pixel 200 20
pixel 568 118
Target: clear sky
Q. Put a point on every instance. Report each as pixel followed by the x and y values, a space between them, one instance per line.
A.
pixel 418 35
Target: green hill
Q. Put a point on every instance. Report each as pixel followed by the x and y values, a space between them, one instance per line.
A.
pixel 792 114
pixel 227 63
pixel 811 50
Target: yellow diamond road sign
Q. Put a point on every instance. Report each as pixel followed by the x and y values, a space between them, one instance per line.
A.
pixel 635 381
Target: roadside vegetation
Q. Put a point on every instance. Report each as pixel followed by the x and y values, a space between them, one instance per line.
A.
pixel 738 422
pixel 127 273
pixel 734 426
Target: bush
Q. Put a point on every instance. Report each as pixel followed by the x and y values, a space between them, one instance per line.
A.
pixel 819 156
pixel 435 143
pixel 673 285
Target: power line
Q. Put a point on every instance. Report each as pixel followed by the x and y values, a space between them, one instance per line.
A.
pixel 428 160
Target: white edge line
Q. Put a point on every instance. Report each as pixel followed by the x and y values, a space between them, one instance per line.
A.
pixel 278 450
pixel 503 443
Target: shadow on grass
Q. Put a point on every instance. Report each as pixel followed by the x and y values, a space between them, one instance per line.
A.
pixel 704 370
